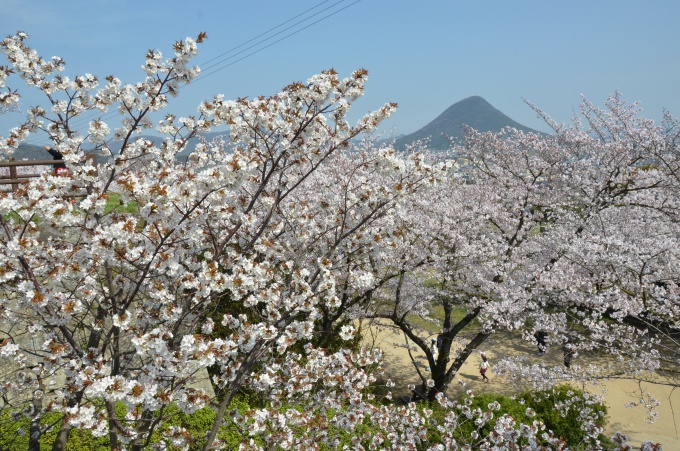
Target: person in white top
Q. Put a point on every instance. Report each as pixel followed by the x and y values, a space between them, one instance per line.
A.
pixel 484 367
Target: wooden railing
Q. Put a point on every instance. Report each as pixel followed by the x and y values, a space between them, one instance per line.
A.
pixel 15 179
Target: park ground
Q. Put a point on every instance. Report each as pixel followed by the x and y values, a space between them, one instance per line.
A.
pixel 631 421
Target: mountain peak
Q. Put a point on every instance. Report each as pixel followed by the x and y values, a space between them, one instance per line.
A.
pixel 473 99
pixel 472 111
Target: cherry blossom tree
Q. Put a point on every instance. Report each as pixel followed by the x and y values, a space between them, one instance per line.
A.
pixel 611 285
pixel 119 301
pixel 239 260
pixel 478 239
pixel 574 233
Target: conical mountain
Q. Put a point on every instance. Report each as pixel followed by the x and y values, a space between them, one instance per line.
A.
pixel 473 111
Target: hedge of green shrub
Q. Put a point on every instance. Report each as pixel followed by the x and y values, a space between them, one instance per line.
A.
pixel 559 409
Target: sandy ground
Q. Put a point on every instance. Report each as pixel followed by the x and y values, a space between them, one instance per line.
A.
pixel 631 421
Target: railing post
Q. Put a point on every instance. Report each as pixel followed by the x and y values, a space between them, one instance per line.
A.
pixel 13 175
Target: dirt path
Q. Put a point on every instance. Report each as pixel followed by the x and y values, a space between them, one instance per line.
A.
pixel 631 421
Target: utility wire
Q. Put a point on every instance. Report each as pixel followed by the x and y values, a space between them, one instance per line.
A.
pixel 81 121
pixel 268 31
pixel 272 36
pixel 201 77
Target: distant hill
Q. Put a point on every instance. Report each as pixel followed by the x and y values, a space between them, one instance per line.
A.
pixel 31 152
pixel 473 111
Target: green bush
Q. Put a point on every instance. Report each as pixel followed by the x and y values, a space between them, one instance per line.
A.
pixel 482 401
pixel 14 435
pixel 560 409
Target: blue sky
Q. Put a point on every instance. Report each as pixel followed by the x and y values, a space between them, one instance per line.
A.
pixel 424 55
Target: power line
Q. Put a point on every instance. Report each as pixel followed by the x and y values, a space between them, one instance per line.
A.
pixel 81 121
pixel 85 118
pixel 271 29
pixel 201 77
pixel 270 37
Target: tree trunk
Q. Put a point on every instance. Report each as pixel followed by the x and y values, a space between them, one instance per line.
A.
pixel 143 430
pixel 35 428
pixel 443 377
pixel 440 374
pixel 229 394
pixel 65 429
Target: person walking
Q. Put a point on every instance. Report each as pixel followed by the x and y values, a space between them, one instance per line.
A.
pixel 484 367
pixel 440 339
pixel 569 352
pixel 434 349
pixel 540 336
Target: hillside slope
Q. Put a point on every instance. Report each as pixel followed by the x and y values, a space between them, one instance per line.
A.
pixel 473 111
